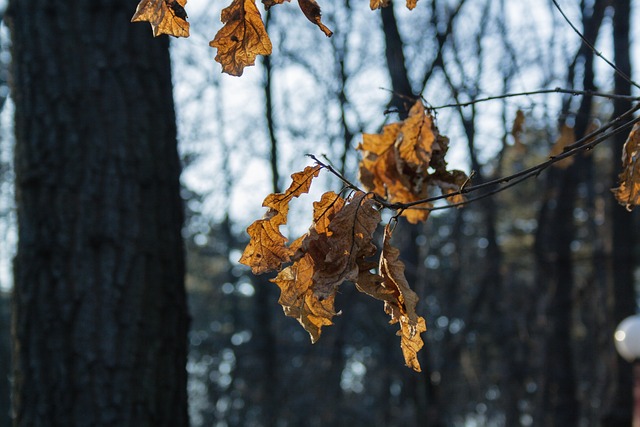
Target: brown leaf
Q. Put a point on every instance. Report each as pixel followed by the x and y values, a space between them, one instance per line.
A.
pixel 400 301
pixel 296 282
pixel 452 182
pixel 266 250
pixel 349 237
pixel 298 301
pixel 377 4
pixel 417 135
pixel 311 10
pixel 165 16
pixel 402 307
pixel 566 138
pixel 628 193
pixel 242 37
pixel 269 3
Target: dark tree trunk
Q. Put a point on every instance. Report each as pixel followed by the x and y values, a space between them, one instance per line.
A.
pixel 559 405
pixel 100 317
pixel 622 295
pixel 5 362
pixel 402 93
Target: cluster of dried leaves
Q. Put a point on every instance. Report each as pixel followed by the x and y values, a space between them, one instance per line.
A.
pixel 243 35
pixel 400 165
pixel 407 160
pixel 399 169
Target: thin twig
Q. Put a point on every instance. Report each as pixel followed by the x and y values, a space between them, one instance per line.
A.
pixel 593 48
pixel 511 180
pixel 540 92
pixel 585 143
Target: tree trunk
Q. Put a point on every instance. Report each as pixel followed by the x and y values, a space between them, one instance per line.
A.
pixel 100 317
pixel 621 294
pixel 5 362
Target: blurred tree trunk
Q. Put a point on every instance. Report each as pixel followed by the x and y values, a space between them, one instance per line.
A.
pixel 558 404
pixel 5 363
pixel 420 387
pixel 100 318
pixel 621 295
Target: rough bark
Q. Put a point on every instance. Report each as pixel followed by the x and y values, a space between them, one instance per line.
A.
pixel 100 320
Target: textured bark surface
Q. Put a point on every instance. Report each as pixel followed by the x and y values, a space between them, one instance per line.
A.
pixel 100 317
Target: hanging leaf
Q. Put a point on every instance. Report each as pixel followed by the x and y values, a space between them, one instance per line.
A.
pixel 165 16
pixel 267 249
pixel 628 193
pixel 269 3
pixel 411 4
pixel 311 10
pixel 340 235
pixel 400 300
pixel 242 38
pixel 378 4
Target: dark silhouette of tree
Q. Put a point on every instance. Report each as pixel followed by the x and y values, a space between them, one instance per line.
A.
pixel 100 316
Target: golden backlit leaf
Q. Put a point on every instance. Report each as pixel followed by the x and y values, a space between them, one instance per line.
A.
pixel 242 37
pixel 417 214
pixel 311 10
pixel 628 193
pixel 400 301
pixel 165 16
pixel 298 301
pixel 566 138
pixel 407 159
pixel 411 4
pixel 266 250
pixel 418 134
pixel 377 4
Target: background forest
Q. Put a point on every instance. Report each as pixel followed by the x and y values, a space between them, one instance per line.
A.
pixel 521 291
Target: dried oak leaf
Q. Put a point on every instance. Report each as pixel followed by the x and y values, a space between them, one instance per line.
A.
pixel 418 136
pixel 311 10
pixel 382 171
pixel 269 3
pixel 340 237
pixel 566 138
pixel 242 37
pixel 400 300
pixel 165 16
pixel 628 193
pixel 349 237
pixel 267 250
pixel 378 4
pixel 411 4
pixel 298 301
